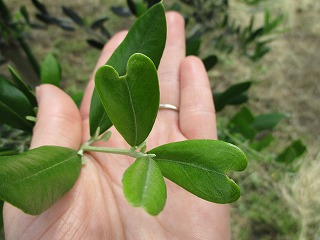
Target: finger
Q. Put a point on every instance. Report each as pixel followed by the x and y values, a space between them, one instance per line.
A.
pixel 197 113
pixel 173 54
pixel 107 51
pixel 58 120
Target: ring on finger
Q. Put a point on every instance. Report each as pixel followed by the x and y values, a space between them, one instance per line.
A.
pixel 168 106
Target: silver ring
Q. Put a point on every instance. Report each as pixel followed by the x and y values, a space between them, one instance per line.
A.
pixel 168 106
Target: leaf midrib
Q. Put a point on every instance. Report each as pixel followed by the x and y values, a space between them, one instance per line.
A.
pixel 147 181
pixel 133 111
pixel 5 185
pixel 191 165
pixel 14 113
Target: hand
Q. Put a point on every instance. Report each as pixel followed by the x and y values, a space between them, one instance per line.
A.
pixel 95 208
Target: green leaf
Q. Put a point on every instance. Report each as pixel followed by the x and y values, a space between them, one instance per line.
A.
pixel 1 220
pixel 141 7
pixel 200 167
pixel 131 101
pixel 210 61
pixel 50 71
pixel 106 136
pixel 14 106
pixel 121 11
pixel 42 8
pixel 98 23
pixel 230 95
pixel 144 186
pixel 267 121
pixel 73 15
pixel 77 98
pixel 25 14
pixel 193 44
pixel 34 180
pixel 242 123
pixel 101 118
pixel 147 36
pixel 264 142
pixel 241 98
pixel 22 86
pixel 292 152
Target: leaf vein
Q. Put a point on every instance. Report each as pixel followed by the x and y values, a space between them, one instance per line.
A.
pixel 14 113
pixel 134 114
pixel 192 165
pixel 35 174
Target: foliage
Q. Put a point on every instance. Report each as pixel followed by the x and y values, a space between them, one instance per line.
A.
pixel 34 180
pixel 209 23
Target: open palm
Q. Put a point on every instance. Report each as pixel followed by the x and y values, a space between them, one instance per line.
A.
pixel 95 208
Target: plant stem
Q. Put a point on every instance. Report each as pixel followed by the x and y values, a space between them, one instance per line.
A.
pixel 244 146
pixel 131 152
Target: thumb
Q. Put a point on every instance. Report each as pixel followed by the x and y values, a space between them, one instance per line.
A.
pixel 58 120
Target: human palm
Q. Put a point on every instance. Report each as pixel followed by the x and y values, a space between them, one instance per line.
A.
pixel 95 208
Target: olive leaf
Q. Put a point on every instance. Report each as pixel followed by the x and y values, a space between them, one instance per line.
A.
pixel 200 167
pixel 292 152
pixel 73 15
pixel 144 186
pixel 22 86
pixel 267 121
pixel 34 180
pixel 146 36
pixel 131 101
pixel 50 71
pixel 231 95
pixel 14 106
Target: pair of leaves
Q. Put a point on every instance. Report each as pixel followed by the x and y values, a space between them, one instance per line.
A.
pixel 234 95
pixel 146 36
pixel 16 102
pixel 248 125
pixel 199 166
pixel 292 152
pixel 34 180
pixel 257 129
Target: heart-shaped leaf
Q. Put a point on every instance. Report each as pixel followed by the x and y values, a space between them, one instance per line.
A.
pixel 14 106
pixel 34 180
pixel 144 186
pixel 200 167
pixel 131 101
pixel 147 36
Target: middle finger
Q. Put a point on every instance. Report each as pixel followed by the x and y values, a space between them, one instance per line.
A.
pixel 173 54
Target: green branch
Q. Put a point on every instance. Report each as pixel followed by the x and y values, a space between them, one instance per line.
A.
pixel 127 152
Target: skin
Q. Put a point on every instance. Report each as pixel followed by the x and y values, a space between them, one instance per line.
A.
pixel 95 208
